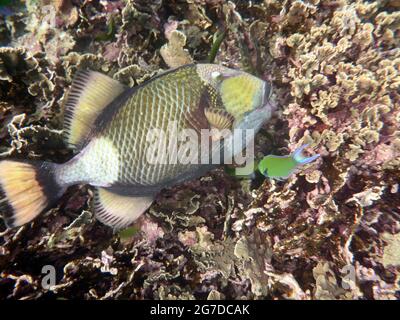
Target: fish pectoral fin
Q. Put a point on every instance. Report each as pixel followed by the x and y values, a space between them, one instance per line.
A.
pixel 220 120
pixel 90 93
pixel 119 211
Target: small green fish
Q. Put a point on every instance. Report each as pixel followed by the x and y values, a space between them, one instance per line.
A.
pixel 281 167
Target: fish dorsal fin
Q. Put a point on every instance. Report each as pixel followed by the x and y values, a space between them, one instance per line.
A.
pixel 90 93
pixel 219 118
pixel 118 211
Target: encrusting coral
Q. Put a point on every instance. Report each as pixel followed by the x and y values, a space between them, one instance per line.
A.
pixel 328 232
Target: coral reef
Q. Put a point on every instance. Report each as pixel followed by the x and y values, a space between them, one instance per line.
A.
pixel 328 232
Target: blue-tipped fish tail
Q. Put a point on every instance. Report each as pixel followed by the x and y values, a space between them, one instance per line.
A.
pixel 300 158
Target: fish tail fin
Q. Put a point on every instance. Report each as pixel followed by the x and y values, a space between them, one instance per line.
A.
pixel 27 188
pixel 299 157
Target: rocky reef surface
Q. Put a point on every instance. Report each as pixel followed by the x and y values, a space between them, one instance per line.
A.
pixel 329 232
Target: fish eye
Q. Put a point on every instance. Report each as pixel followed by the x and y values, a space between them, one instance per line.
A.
pixel 216 75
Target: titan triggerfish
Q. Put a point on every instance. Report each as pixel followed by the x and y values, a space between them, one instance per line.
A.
pixel 108 125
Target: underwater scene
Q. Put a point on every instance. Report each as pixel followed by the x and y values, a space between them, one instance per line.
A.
pixel 199 150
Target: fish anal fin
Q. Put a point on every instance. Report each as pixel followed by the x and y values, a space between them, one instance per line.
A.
pixel 119 211
pixel 90 93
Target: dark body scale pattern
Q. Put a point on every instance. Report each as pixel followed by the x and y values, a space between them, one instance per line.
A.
pixel 180 96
